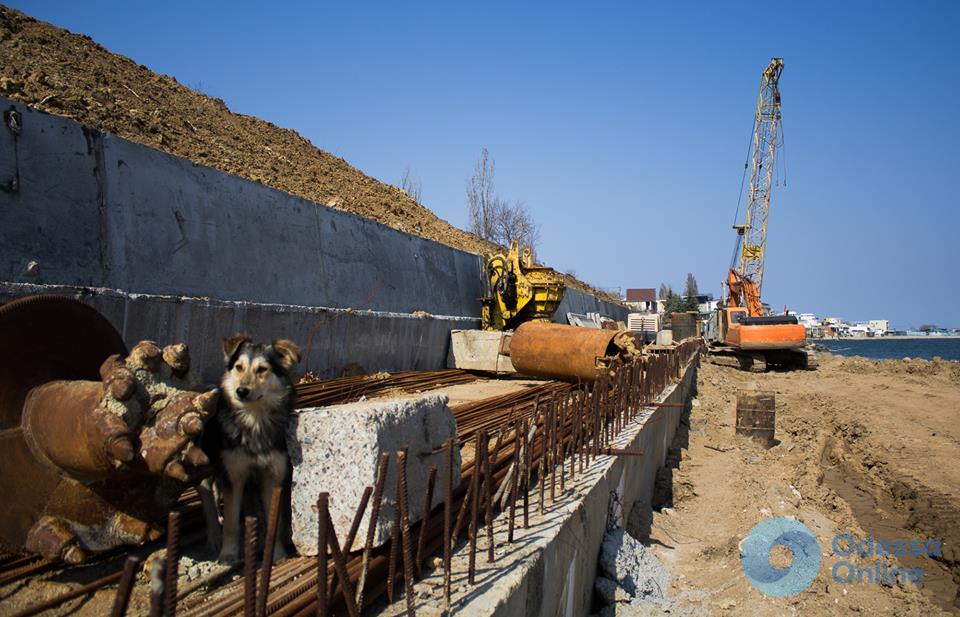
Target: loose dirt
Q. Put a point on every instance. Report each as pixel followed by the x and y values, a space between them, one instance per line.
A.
pixel 70 75
pixel 865 448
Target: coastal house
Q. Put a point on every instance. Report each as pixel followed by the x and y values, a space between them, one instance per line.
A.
pixel 643 300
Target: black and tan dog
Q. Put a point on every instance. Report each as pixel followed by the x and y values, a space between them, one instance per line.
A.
pixel 247 441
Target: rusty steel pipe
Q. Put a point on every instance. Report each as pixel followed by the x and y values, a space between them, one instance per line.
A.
pixel 61 431
pixel 111 434
pixel 563 352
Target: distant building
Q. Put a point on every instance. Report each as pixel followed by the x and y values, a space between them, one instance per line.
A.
pixel 706 303
pixel 880 327
pixel 643 299
pixel 808 319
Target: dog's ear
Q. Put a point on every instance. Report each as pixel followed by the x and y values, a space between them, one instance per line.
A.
pixel 231 344
pixel 287 352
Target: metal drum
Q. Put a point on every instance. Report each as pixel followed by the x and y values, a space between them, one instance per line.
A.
pixel 756 416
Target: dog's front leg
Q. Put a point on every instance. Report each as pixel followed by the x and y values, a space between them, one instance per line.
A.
pixel 210 514
pixel 232 502
pixel 272 477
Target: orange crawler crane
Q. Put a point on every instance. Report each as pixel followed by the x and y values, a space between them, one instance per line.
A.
pixel 739 333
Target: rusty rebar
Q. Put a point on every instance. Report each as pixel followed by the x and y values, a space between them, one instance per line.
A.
pixel 578 411
pixel 249 566
pixel 172 564
pixel 372 525
pixel 514 480
pixel 488 496
pixel 447 516
pixel 358 518
pixel 464 510
pixel 36 609
pixel 266 567
pixel 552 461
pixel 527 439
pixel 541 475
pixel 425 520
pixel 619 452
pixel 402 499
pixel 122 600
pixel 480 441
pixel 395 541
pixel 323 525
pixel 352 533
pixel 340 565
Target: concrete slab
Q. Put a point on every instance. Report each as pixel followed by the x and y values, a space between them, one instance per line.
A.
pixel 336 449
pixel 479 350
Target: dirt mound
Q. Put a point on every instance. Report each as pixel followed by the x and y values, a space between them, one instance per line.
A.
pixel 70 75
pixel 908 366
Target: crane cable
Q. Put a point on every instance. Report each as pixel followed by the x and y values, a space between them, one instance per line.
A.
pixel 743 178
pixel 783 150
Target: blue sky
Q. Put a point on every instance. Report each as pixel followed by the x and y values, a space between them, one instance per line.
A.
pixel 622 126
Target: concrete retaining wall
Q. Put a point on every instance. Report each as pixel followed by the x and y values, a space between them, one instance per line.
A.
pixel 171 250
pixel 576 301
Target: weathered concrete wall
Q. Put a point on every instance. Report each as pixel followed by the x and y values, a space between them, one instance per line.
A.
pixel 332 340
pixel 96 210
pixel 170 250
pixel 576 301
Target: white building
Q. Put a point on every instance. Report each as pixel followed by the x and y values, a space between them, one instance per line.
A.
pixel 808 319
pixel 879 326
pixel 860 329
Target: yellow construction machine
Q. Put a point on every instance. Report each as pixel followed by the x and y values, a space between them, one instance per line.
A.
pixel 518 291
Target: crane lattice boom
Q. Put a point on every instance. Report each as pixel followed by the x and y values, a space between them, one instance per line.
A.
pixel 766 135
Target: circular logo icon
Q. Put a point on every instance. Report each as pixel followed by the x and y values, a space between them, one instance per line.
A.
pixel 755 556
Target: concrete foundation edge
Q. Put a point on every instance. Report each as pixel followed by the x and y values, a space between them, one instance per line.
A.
pixel 556 577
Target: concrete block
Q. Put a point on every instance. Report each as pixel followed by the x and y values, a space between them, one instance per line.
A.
pixel 665 337
pixel 479 350
pixel 632 565
pixel 336 449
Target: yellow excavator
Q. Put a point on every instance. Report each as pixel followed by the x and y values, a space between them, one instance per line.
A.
pixel 517 290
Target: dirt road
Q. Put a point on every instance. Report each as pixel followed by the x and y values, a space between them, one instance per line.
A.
pixel 865 448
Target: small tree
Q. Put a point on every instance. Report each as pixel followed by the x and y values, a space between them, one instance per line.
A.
pixel 411 186
pixel 493 218
pixel 516 224
pixel 673 303
pixel 690 294
pixel 481 200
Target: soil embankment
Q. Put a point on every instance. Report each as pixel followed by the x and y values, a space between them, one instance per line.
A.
pixel 70 75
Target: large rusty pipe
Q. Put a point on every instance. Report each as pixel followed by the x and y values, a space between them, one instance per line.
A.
pixel 98 442
pixel 62 427
pixel 563 352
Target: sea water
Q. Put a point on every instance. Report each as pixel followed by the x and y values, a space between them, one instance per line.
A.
pixel 895 348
